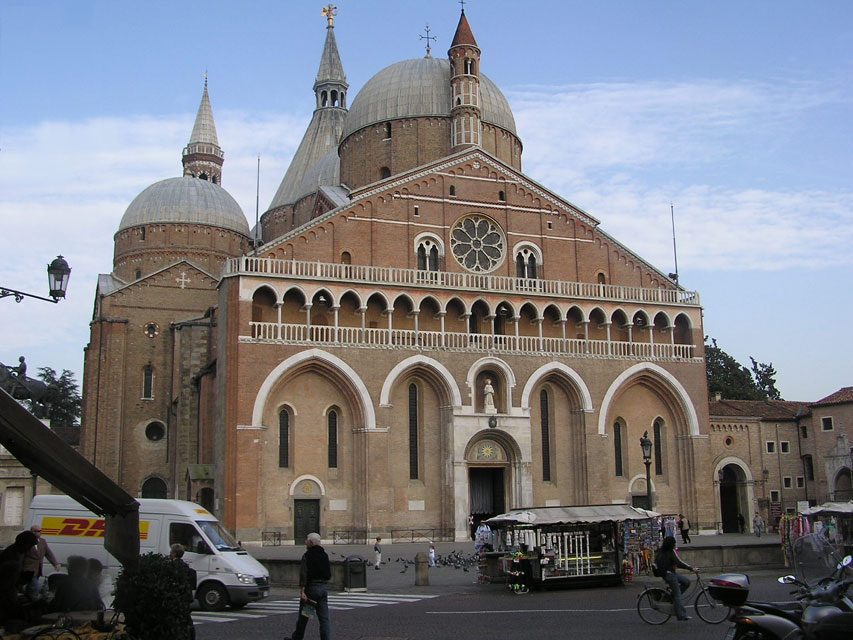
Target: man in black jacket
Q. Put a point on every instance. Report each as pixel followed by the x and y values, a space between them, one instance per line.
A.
pixel 313 576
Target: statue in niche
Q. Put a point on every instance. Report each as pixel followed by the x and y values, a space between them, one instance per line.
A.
pixel 489 397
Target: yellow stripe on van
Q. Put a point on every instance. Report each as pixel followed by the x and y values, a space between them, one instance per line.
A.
pixel 81 527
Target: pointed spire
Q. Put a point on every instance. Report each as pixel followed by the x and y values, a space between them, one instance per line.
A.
pixel 463 35
pixel 331 86
pixel 204 129
pixel 202 157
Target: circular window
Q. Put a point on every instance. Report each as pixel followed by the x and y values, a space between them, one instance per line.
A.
pixel 155 431
pixel 152 329
pixel 729 441
pixel 477 244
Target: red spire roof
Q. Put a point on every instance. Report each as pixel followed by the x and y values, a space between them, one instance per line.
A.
pixel 463 34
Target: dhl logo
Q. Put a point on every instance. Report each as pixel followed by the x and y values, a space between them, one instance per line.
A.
pixel 81 527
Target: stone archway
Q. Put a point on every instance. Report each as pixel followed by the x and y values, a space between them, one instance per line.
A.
pixel 734 498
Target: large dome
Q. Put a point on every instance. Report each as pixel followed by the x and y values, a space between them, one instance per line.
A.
pixel 185 200
pixel 420 87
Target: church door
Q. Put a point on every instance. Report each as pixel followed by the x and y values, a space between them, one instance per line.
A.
pixel 306 519
pixel 486 487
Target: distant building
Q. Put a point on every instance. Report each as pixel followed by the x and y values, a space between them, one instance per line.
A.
pixel 425 333
pixel 775 455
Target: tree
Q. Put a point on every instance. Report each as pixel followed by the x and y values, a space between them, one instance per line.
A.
pixel 64 410
pixel 734 381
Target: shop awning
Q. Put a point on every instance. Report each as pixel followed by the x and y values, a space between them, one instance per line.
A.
pixel 543 516
pixel 830 507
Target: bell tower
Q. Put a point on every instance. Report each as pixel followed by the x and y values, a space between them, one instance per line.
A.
pixel 203 157
pixel 464 54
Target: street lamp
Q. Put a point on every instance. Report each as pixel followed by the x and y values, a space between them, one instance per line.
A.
pixel 58 273
pixel 646 445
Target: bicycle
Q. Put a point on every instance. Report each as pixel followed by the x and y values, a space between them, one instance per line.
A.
pixel 655 604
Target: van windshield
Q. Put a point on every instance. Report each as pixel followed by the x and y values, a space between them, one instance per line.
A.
pixel 221 539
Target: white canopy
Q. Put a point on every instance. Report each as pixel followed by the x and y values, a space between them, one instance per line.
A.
pixel 541 516
pixel 829 507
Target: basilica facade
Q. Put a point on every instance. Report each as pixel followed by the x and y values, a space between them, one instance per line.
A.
pixel 418 335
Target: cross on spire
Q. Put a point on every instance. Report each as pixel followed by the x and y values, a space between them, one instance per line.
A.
pixel 427 37
pixel 329 14
pixel 462 2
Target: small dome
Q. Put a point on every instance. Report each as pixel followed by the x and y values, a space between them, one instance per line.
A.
pixel 420 87
pixel 185 200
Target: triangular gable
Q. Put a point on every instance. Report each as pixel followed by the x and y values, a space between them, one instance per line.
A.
pixel 161 272
pixel 395 183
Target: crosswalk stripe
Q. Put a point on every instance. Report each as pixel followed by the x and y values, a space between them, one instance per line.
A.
pixel 337 602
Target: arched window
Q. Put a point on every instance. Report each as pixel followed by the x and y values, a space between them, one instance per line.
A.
pixel 453 190
pixel 384 172
pixel 324 99
pixel 617 447
pixel 138 274
pixel 334 98
pixel 601 278
pixel 154 488
pixel 526 263
pixel 202 176
pixel 333 439
pixel 501 196
pixel 658 433
pixel 346 258
pixel 284 439
pixel 544 409
pixel 469 66
pixel 413 432
pixel 428 255
pixel 148 383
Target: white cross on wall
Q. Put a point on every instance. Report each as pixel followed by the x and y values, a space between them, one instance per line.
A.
pixel 183 280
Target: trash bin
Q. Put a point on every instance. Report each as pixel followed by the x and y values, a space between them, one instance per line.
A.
pixel 355 575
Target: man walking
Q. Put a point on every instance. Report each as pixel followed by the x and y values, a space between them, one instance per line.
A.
pixel 314 573
pixel 757 525
pixel 31 569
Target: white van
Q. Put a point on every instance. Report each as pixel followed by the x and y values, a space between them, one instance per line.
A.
pixel 226 573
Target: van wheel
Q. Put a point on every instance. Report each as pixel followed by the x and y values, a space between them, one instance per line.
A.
pixel 212 597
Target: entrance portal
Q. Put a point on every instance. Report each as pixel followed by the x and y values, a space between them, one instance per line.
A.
pixel 730 499
pixel 306 519
pixel 486 494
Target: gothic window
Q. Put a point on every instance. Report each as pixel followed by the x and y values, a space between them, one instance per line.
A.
pixel 284 439
pixel 148 382
pixel 477 243
pixel 384 172
pixel 527 260
pixel 333 439
pixel 428 255
pixel 658 428
pixel 544 409
pixel 617 447
pixel 413 432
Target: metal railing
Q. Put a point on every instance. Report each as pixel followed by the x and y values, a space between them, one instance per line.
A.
pixel 271 538
pixel 423 535
pixel 326 271
pixel 349 536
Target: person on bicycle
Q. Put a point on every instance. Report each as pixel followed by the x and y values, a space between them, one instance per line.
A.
pixel 667 560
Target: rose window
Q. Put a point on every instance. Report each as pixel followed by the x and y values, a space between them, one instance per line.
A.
pixel 477 244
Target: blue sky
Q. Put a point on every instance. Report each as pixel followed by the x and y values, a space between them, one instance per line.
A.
pixel 737 112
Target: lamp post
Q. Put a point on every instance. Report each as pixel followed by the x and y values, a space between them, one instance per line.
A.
pixel 646 445
pixel 58 273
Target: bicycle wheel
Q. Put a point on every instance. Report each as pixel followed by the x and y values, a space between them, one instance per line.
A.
pixel 57 633
pixel 654 606
pixel 710 610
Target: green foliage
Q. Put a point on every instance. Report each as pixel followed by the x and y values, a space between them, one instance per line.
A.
pixel 64 408
pixel 155 599
pixel 733 381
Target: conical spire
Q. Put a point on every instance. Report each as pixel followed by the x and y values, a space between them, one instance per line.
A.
pixel 463 34
pixel 202 157
pixel 331 69
pixel 204 129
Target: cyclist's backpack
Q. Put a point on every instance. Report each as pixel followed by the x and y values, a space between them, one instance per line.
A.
pixel 656 571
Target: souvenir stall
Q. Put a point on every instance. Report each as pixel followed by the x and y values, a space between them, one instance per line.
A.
pixel 835 521
pixel 562 545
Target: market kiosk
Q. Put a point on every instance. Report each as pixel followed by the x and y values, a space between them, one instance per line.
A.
pixel 835 520
pixel 543 546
